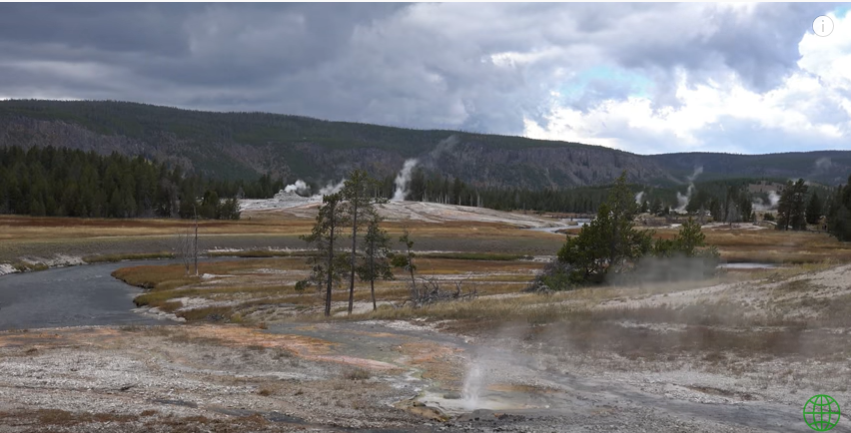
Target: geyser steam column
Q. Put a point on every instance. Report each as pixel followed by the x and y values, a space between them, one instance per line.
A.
pixel 403 179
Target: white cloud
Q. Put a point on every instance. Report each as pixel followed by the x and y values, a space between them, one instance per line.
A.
pixel 641 77
pixel 809 105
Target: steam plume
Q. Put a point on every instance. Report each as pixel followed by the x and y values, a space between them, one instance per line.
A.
pixel 682 200
pixel 332 188
pixel 639 198
pixel 774 198
pixel 823 165
pixel 299 187
pixel 403 179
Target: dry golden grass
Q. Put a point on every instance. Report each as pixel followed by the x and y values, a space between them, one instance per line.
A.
pixel 22 236
pixel 25 228
pixel 773 246
pixel 271 281
pixel 16 228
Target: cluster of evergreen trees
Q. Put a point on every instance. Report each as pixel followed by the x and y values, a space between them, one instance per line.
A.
pixel 792 212
pixel 62 182
pixel 370 256
pixel 610 244
pixel 725 202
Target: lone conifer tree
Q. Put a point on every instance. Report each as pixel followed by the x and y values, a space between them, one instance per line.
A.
pixel 814 209
pixel 322 237
pixel 357 204
pixel 376 264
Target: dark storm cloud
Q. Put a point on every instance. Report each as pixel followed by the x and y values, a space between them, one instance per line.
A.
pixel 761 49
pixel 479 67
pixel 151 28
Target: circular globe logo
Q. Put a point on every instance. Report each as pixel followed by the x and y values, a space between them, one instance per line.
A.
pixel 821 412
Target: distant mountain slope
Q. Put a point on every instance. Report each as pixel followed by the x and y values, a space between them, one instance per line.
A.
pixel 829 167
pixel 242 145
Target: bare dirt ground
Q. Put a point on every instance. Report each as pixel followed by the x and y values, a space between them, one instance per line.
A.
pixel 323 377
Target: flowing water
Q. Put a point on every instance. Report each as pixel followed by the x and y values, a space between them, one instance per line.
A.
pixel 74 296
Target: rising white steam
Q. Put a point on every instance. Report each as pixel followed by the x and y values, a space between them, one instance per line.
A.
pixel 639 198
pixel 299 187
pixel 472 386
pixel 403 179
pixel 682 200
pixel 332 188
pixel 774 198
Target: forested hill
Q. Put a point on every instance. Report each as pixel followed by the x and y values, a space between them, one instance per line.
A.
pixel 243 145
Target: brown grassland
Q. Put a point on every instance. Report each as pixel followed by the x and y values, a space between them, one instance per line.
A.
pixel 494 260
pixel 22 236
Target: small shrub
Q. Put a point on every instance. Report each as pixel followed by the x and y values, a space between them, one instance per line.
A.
pixel 356 374
pixel 556 276
pixel 283 353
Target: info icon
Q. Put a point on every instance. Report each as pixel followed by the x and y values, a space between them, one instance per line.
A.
pixel 823 26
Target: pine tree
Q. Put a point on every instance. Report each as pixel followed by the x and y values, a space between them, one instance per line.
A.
pixel 784 207
pixel 814 209
pixel 326 266
pixel 357 203
pixel 376 263
pixel 609 242
pixel 689 238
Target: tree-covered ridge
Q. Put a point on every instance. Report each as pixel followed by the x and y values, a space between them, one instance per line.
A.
pixel 64 182
pixel 244 145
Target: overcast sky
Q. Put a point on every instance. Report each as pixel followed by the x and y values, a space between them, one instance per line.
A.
pixel 648 78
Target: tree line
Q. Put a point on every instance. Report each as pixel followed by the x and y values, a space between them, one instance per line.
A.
pixel 64 182
pixel 436 188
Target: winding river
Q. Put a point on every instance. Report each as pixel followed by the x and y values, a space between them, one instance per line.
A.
pixel 72 296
